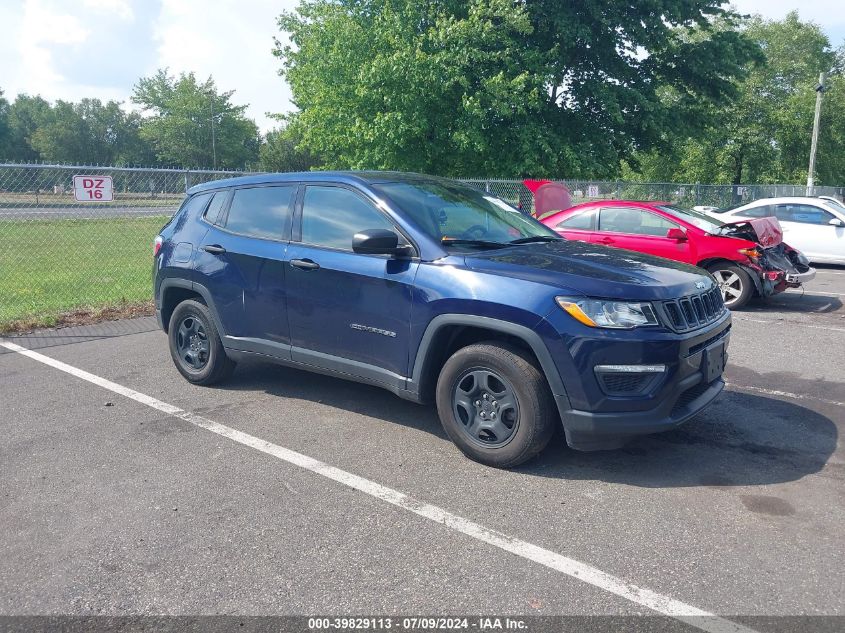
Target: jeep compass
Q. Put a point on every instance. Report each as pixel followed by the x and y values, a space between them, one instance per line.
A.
pixel 439 293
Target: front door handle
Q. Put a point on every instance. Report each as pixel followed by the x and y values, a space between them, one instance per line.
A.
pixel 606 240
pixel 304 264
pixel 214 249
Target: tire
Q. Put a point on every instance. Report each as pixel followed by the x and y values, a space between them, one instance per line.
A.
pixel 515 429
pixel 201 360
pixel 735 283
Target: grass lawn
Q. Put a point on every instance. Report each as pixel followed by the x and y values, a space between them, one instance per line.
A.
pixel 48 267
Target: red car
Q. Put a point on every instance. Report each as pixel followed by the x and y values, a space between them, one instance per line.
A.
pixel 746 258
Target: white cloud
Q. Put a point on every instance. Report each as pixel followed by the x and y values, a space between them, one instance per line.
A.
pixel 230 41
pixel 42 24
pixel 99 48
pixel 120 8
pixel 826 13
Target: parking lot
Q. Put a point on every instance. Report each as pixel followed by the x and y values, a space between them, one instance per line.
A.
pixel 127 490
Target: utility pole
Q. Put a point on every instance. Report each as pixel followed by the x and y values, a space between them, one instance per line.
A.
pixel 213 138
pixel 815 142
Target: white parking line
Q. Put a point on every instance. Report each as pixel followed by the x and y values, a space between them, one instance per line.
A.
pixel 580 571
pixel 783 394
pixel 782 322
pixel 811 293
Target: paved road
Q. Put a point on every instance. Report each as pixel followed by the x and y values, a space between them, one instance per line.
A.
pixel 83 212
pixel 111 506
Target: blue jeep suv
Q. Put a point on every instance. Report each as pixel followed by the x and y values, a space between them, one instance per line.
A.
pixel 439 292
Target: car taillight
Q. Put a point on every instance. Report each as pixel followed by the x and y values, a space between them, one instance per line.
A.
pixel 157 245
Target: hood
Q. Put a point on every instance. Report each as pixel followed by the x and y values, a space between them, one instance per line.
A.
pixel 766 232
pixel 594 271
pixel 548 196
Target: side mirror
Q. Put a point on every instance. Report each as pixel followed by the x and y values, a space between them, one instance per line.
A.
pixel 677 234
pixel 377 242
pixel 836 222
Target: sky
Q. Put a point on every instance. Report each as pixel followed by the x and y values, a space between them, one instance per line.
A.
pixel 70 49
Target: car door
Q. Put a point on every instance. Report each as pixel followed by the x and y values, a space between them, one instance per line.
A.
pixel 640 230
pixel 577 226
pixel 807 228
pixel 348 312
pixel 241 263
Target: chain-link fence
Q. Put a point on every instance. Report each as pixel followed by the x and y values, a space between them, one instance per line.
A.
pixel 684 195
pixel 81 236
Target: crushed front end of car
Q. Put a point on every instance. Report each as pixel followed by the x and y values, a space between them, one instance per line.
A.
pixel 776 265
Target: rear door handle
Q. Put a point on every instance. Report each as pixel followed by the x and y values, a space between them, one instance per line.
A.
pixel 214 249
pixel 304 264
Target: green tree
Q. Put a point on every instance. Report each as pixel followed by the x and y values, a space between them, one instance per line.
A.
pixel 180 126
pixel 281 152
pixel 764 135
pixel 90 132
pixel 498 87
pixel 4 127
pixel 26 114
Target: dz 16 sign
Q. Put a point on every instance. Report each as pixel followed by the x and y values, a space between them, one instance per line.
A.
pixel 93 188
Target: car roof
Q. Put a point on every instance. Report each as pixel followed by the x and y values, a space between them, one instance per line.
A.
pixel 616 203
pixel 349 177
pixel 785 200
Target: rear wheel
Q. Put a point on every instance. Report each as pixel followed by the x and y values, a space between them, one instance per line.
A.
pixel 734 283
pixel 195 345
pixel 495 405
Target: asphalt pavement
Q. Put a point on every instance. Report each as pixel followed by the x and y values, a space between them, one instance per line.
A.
pixel 146 494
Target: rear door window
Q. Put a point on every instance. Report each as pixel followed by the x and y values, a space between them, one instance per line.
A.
pixel 261 211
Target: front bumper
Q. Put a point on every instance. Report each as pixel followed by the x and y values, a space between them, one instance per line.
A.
pixel 801 278
pixel 693 382
pixel 588 431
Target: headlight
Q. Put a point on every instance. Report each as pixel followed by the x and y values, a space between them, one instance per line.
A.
pixel 610 314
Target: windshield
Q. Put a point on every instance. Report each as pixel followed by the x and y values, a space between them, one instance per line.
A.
pixel 450 211
pixel 696 218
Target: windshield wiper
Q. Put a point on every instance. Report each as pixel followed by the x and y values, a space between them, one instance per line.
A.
pixel 456 241
pixel 536 238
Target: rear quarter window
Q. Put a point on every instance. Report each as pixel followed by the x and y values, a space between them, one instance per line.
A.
pixel 212 213
pixel 193 204
pixel 582 221
pixel 757 212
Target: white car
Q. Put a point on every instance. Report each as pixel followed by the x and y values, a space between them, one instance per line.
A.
pixel 815 226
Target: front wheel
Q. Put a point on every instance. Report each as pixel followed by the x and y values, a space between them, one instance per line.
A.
pixel 495 405
pixel 734 284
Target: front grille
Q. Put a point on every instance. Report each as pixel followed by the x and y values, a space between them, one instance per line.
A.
pixel 700 346
pixel 694 311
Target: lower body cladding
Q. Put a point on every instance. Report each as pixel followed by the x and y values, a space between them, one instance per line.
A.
pixel 653 392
